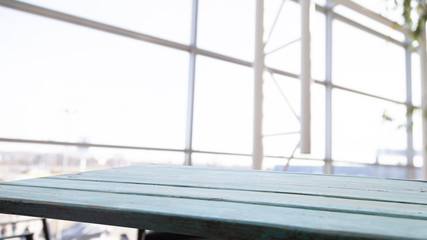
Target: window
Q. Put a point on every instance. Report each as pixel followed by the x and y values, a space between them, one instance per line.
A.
pixel 167 19
pixel 223 106
pixel 96 88
pixel 361 135
pixel 227 27
pixel 368 64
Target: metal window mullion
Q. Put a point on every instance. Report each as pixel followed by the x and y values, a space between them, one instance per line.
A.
pixel 423 74
pixel 258 67
pixel 191 85
pixel 328 168
pixel 410 174
pixel 305 76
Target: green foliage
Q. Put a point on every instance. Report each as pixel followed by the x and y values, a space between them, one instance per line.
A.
pixel 386 117
pixel 414 13
pixel 409 112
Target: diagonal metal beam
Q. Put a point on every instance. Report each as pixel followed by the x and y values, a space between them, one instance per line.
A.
pixel 275 22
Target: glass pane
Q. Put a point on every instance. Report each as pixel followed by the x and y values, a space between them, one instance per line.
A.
pixel 360 133
pixel 113 157
pixel 370 23
pixel 281 126
pixel 227 27
pixel 317 123
pixel 387 9
pixel 279 116
pixel 295 165
pixel 416 79
pixel 223 106
pixel 287 59
pixel 167 19
pixel 287 31
pixel 222 161
pixel 20 160
pixel 305 166
pixel 417 132
pixel 273 164
pixel 382 171
pixel 71 83
pixel 288 25
pixel 364 62
pixel 318 46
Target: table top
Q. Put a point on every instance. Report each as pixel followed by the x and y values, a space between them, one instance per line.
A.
pixel 228 204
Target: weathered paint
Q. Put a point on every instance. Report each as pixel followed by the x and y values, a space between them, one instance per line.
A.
pixel 228 204
pixel 321 185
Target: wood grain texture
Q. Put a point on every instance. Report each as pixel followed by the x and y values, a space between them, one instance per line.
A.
pixel 390 190
pixel 228 204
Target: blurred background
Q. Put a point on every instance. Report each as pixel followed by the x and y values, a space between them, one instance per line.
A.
pixel 87 85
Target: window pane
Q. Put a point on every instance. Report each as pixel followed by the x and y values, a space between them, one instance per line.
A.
pixel 288 25
pixel 273 164
pixel 288 31
pixel 364 62
pixel 281 126
pixel 223 106
pixel 74 84
pixel 387 9
pixel 370 23
pixel 305 166
pixel 294 165
pixel 278 116
pixel 167 19
pixel 417 132
pixel 360 134
pixel 220 160
pixel 227 27
pixel 318 46
pixel 287 59
pixel 373 170
pixel 21 160
pixel 317 123
pixel 113 157
pixel 416 79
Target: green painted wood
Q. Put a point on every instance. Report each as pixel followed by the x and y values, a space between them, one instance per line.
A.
pixel 402 210
pixel 373 184
pixel 229 204
pixel 319 185
pixel 273 222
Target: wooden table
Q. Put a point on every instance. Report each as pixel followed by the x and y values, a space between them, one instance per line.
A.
pixel 228 204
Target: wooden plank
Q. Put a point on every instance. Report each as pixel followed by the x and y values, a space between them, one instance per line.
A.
pixel 401 210
pixel 355 188
pixel 207 218
pixel 401 185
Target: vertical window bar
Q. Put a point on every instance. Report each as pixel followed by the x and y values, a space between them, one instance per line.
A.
pixel 257 147
pixel 410 174
pixel 191 84
pixel 328 169
pixel 307 8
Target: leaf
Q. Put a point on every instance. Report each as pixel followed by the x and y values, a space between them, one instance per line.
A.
pixel 411 110
pixel 386 117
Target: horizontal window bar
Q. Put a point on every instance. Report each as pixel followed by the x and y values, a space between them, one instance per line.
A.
pixel 366 29
pixel 76 144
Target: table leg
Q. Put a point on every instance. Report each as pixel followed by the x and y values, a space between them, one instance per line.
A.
pixel 141 234
pixel 46 229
